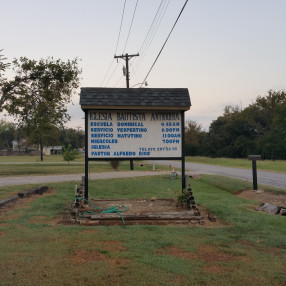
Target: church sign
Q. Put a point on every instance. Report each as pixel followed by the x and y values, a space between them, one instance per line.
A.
pixel 134 123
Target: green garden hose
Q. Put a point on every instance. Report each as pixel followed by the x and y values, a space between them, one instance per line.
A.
pixel 114 209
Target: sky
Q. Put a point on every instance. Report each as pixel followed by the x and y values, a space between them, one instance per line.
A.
pixel 226 52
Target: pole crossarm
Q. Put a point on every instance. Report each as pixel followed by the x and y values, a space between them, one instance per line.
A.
pixel 126 55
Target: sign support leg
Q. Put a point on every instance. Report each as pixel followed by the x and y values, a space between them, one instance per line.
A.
pixel 183 150
pixel 86 157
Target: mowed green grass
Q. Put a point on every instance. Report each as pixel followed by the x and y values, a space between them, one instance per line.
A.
pixel 249 249
pixel 35 159
pixel 267 165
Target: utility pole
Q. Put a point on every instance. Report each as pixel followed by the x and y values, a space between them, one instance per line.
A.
pixel 127 57
pixel 78 127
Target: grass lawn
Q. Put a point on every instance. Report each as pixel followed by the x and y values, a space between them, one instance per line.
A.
pixel 248 250
pixel 34 159
pixel 267 165
pixel 58 168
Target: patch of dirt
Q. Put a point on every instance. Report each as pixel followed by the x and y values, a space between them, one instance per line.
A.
pixel 215 269
pixel 144 206
pixel 140 205
pixel 180 280
pixel 113 245
pixel 83 256
pixel 264 197
pixel 5 224
pixel 88 256
pixel 272 250
pixel 90 231
pixel 177 252
pixel 38 219
pixel 2 233
pixel 205 252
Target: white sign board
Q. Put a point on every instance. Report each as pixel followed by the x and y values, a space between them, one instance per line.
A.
pixel 134 134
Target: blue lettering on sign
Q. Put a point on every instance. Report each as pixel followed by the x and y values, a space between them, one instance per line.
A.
pixel 101 129
pixel 144 153
pixel 131 129
pixel 174 135
pixel 136 124
pixel 100 153
pixel 129 135
pixel 124 153
pixel 171 141
pixel 99 135
pixel 100 147
pixel 104 141
pixel 100 116
pixel 125 116
pixel 104 123
pixel 172 129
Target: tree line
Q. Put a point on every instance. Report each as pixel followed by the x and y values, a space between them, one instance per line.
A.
pixel 260 128
pixel 63 136
pixel 38 94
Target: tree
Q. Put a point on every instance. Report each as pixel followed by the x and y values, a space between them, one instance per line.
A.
pixel 50 138
pixel 73 137
pixel 230 135
pixel 271 110
pixel 259 128
pixel 3 67
pixel 194 136
pixel 7 87
pixel 41 91
pixel 278 132
pixel 68 154
pixel 272 145
pixel 7 134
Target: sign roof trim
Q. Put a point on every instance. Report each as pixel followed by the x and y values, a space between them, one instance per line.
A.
pixel 132 98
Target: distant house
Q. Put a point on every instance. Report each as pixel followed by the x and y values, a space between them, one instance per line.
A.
pixel 52 150
pixel 20 145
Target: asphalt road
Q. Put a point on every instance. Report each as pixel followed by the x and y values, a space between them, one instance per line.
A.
pixel 263 177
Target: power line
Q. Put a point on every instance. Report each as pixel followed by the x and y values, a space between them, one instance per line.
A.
pixel 107 72
pixel 115 85
pixel 122 16
pixel 111 75
pixel 151 26
pixel 165 42
pixel 153 33
pixel 120 28
pixel 130 26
